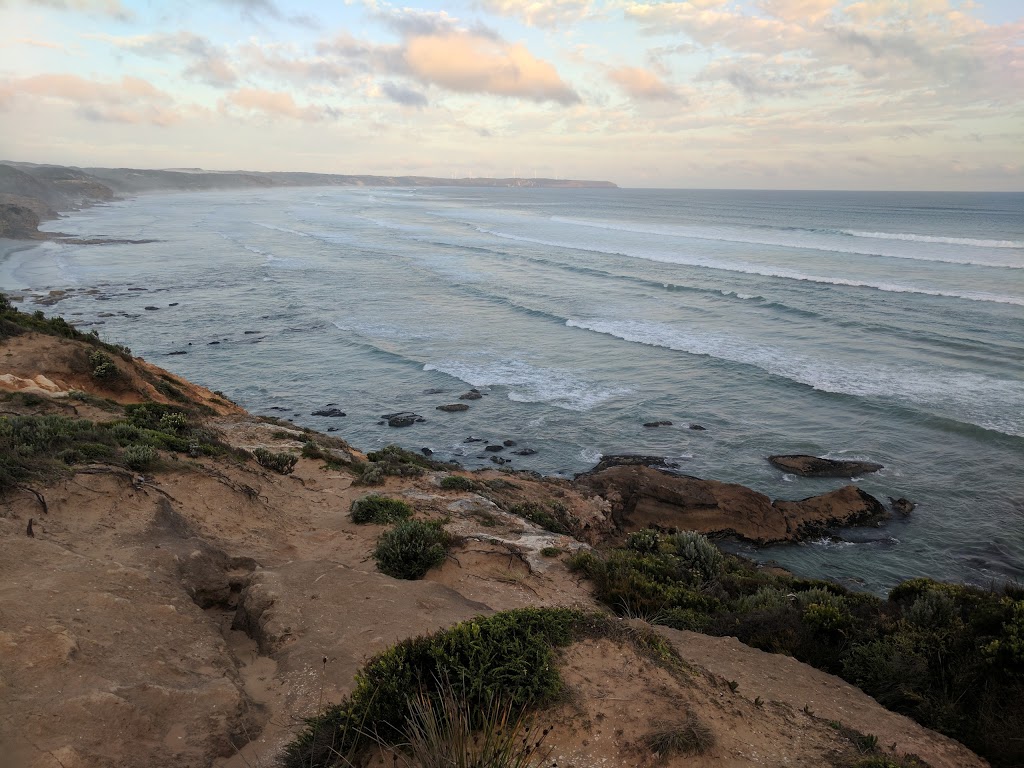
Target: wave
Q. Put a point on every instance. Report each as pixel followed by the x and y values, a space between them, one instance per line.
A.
pixel 982 400
pixel 751 269
pixel 935 239
pixel 528 383
pixel 816 240
pixel 282 229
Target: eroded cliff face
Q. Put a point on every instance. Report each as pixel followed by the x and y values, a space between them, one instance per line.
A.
pixel 191 614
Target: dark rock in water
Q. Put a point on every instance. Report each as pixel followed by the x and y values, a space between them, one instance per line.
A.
pixel 475 440
pixel 330 405
pixel 433 391
pixel 329 412
pixel 658 424
pixel 453 408
pixel 524 452
pixel 402 419
pixel 249 333
pixel 631 460
pixel 151 309
pixel 500 460
pixel 901 505
pixel 473 394
pixel 278 408
pixel 426 452
pixel 105 314
pixel 698 428
pixel 508 443
pixel 814 466
pixel 642 497
pixel 332 429
pixel 178 352
pixel 173 304
pixel 494 448
pixel 212 343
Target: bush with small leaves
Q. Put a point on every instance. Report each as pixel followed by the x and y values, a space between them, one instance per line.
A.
pixel 645 542
pixel 412 548
pixel 139 457
pixel 457 483
pixel 379 509
pixel 282 463
pixel 700 555
pixel 103 367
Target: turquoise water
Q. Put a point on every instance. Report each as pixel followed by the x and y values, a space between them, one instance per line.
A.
pixel 881 326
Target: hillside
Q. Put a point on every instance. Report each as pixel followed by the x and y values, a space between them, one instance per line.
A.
pixel 177 591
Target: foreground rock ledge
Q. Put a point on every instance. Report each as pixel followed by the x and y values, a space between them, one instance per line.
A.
pixel 642 497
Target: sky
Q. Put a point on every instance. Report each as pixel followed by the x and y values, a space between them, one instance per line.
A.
pixel 777 94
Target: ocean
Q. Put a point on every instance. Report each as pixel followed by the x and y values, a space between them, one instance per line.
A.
pixel 868 325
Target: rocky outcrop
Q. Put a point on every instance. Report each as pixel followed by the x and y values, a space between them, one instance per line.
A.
pixel 403 419
pixel 642 497
pixel 18 222
pixel 453 408
pixel 630 460
pixel 815 466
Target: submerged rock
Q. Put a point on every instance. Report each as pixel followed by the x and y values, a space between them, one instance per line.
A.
pixel 663 423
pixel 901 505
pixel 494 448
pixel 453 408
pixel 473 394
pixel 329 412
pixel 698 428
pixel 631 460
pixel 402 419
pixel 641 497
pixel 815 466
pixel 524 452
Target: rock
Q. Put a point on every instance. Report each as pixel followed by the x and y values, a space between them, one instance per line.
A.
pixel 433 391
pixel 473 394
pixel 901 505
pixel 698 428
pixel 814 466
pixel 332 413
pixel 212 343
pixel 500 460
pixel 278 408
pixel 641 497
pixel 524 452
pixel 475 440
pixel 18 221
pixel 508 443
pixel 178 352
pixel 151 309
pixel 402 419
pixel 650 424
pixel 494 448
pixel 332 429
pixel 426 452
pixel 631 460
pixel 173 304
pixel 249 333
pixel 453 408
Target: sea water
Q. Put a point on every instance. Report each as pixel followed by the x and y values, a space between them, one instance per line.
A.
pixel 879 326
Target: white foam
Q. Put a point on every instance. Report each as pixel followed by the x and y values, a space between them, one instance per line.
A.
pixel 528 383
pixel 971 396
pixel 752 269
pixel 281 229
pixel 970 241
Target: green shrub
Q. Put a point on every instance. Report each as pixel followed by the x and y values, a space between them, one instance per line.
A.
pixel 457 483
pixel 103 367
pixel 645 542
pixel 282 463
pixel 379 509
pixel 552 519
pixel 551 552
pixel 699 554
pixel 139 457
pixel 506 657
pixel 412 548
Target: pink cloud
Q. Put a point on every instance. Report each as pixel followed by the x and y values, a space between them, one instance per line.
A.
pixel 129 100
pixel 274 104
pixel 642 84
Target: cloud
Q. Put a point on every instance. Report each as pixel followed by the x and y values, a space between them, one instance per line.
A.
pixel 128 100
pixel 798 10
pixel 207 62
pixel 468 63
pixel 274 104
pixel 643 85
pixel 540 13
pixel 110 8
pixel 407 97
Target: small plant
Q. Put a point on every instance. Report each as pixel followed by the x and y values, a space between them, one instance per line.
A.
pixel 733 686
pixel 538 514
pixel 379 509
pixel 692 737
pixel 103 367
pixel 412 548
pixel 759 702
pixel 282 463
pixel 551 552
pixel 700 555
pixel 865 742
pixel 645 542
pixel 457 483
pixel 139 457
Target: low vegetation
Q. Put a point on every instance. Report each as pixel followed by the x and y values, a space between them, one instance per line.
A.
pixel 392 461
pixel 412 548
pixel 379 509
pixel 688 737
pixel 553 516
pixel 951 657
pixel 14 323
pixel 498 666
pixel 457 483
pixel 282 463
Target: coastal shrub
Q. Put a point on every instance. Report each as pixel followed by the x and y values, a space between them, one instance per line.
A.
pixel 550 518
pixel 38 447
pixel 950 656
pixel 282 463
pixel 645 542
pixel 457 483
pixel 103 367
pixel 379 509
pixel 412 548
pixel 507 657
pixel 139 457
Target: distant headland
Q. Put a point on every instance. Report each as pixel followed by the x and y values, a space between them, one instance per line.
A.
pixel 30 193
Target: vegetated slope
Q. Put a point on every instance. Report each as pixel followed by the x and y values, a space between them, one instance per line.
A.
pixel 186 595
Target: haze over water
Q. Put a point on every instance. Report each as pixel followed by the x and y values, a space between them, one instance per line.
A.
pixel 883 326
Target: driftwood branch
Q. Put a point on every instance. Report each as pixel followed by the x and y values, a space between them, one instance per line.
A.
pixel 39 497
